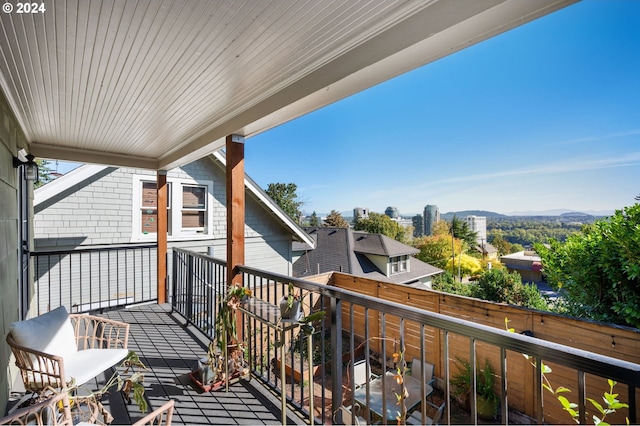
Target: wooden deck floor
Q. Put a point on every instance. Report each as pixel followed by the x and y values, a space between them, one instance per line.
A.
pixel 171 350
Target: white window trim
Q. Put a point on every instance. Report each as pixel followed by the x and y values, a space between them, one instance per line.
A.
pixel 207 203
pixel 176 210
pixel 404 259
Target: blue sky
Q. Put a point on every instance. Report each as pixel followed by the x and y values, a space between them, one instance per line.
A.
pixel 546 116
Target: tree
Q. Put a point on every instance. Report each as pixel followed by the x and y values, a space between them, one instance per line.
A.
pixel 598 269
pixel 441 227
pixel 436 250
pixel 44 173
pixel 335 220
pixel 378 223
pixel 460 229
pixel 447 283
pixel 465 264
pixel 285 196
pixel 505 247
pixel 495 285
pixel 314 220
pixel 498 285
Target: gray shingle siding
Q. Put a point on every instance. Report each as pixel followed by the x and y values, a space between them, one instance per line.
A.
pixel 99 210
pixel 85 214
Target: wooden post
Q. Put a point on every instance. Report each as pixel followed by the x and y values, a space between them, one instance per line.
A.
pixel 235 206
pixel 235 214
pixel 162 235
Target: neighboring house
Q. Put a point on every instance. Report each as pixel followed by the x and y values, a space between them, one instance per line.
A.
pixel 488 251
pixel 112 207
pixel 373 256
pixel 527 263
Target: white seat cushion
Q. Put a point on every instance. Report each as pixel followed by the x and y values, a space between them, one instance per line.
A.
pixel 51 333
pixel 87 364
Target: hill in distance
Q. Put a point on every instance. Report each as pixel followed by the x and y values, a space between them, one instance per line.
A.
pixel 348 215
pixel 560 212
pixel 465 213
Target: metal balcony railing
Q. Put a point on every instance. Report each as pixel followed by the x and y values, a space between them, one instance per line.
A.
pixel 361 327
pixel 94 278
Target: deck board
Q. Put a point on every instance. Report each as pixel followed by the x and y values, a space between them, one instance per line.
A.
pixel 171 349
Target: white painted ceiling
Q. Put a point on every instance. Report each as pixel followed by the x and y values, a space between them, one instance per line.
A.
pixel 159 83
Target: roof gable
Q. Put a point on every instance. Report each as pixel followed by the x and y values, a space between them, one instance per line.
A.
pixel 337 250
pixel 65 184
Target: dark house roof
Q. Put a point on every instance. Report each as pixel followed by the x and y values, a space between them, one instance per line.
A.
pixel 381 245
pixel 344 250
pixel 488 248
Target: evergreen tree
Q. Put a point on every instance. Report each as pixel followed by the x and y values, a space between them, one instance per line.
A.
pixel 285 196
pixel 314 220
pixel 460 229
pixel 335 220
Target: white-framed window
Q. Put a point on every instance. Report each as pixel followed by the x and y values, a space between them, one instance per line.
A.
pixel 149 207
pixel 398 264
pixel 188 208
pixel 194 208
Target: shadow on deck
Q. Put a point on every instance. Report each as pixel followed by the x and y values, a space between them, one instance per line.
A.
pixel 170 350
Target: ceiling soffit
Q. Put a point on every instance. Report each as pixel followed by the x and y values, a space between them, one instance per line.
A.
pixel 160 83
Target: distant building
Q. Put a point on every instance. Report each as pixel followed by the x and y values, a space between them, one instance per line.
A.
pixel 431 217
pixel 392 212
pixel 478 224
pixel 362 212
pixel 527 263
pixel 488 251
pixel 406 224
pixel 418 226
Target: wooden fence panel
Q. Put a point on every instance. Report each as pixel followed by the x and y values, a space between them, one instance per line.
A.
pixel 618 342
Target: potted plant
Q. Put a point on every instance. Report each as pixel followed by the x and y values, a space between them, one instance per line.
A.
pixel 291 310
pixel 225 358
pixel 128 380
pixel 487 400
pixel 290 306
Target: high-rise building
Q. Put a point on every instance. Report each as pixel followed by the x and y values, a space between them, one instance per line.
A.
pixel 392 212
pixel 418 226
pixel 431 216
pixel 478 224
pixel 362 212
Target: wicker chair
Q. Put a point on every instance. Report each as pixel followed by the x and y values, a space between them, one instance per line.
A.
pixel 43 413
pixel 55 347
pixel 158 417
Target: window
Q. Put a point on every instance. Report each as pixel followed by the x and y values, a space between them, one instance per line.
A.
pixel 189 211
pixel 194 208
pixel 149 208
pixel 398 264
